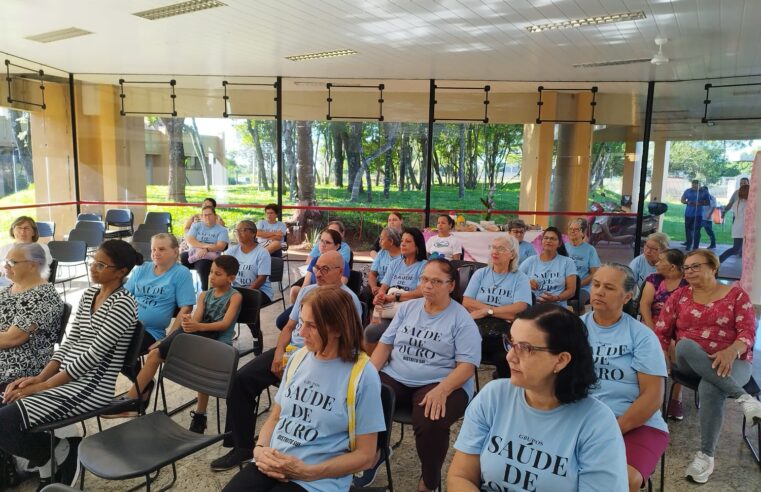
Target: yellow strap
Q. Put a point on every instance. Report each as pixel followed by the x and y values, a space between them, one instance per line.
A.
pixel 351 397
pixel 295 360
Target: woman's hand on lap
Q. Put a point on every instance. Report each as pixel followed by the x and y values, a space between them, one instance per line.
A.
pixel 435 402
pixel 723 360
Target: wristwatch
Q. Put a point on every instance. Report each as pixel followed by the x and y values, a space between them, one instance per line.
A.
pixel 398 296
pixel 490 312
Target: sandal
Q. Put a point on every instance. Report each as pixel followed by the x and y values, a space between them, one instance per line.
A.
pixel 139 405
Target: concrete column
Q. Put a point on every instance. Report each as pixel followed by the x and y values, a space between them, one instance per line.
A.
pixel 661 151
pixel 536 166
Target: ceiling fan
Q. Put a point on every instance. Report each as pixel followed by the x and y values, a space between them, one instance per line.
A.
pixel 657 59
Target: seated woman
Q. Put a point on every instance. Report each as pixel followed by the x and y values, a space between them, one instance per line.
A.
pixel 394 221
pixel 552 273
pixel 196 218
pixel 540 430
pixel 630 371
pixel 214 317
pixel 390 240
pixel 428 356
pixel 344 249
pixel 495 295
pixel 444 244
pixel 24 231
pixel 644 264
pixel 402 275
pixel 30 314
pixel 271 232
pixel 255 261
pixel 330 240
pixel 207 239
pixel 517 229
pixel 161 286
pixel 584 256
pixel 714 327
pixel 311 443
pixel 81 376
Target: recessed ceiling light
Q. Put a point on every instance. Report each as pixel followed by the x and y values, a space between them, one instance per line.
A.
pixel 322 54
pixel 610 63
pixel 49 37
pixel 589 21
pixel 179 9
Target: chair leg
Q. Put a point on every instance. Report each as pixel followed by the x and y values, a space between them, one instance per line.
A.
pixel 52 453
pixel 174 479
pixel 219 424
pixel 388 470
pixel 401 438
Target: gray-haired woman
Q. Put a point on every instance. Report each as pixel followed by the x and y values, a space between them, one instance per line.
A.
pixel 644 264
pixel 30 314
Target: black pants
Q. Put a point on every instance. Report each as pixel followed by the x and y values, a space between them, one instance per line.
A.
pixel 15 441
pixel 250 479
pixel 493 352
pixel 736 249
pixel 282 318
pixel 203 267
pixel 692 231
pixel 248 383
pixel 708 226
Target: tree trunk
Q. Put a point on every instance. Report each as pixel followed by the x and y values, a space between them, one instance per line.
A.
pixel 253 130
pixel 353 151
pixel 23 142
pixel 404 158
pixel 195 138
pixel 461 164
pixel 306 189
pixel 290 159
pixel 389 165
pixel 338 153
pixel 423 142
pixel 365 166
pixel 176 188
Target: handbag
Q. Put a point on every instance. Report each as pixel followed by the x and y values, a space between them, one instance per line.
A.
pixel 390 308
pixel 194 254
pixel 492 328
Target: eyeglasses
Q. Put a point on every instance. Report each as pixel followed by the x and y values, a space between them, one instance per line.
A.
pixel 99 266
pixel 694 267
pixel 326 243
pixel 436 282
pixel 23 228
pixel 650 248
pixel 574 229
pixel 550 238
pixel 517 231
pixel 522 348
pixel 325 269
pixel 498 249
pixel 12 263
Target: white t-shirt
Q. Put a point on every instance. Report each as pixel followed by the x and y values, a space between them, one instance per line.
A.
pixel 438 247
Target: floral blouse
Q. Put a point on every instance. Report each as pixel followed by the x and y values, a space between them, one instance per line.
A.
pixel 714 326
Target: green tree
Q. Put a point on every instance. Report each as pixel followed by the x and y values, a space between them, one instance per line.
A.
pixel 704 159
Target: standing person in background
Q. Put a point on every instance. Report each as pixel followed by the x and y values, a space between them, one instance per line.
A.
pixel 707 219
pixel 444 244
pixel 394 221
pixel 738 224
pixel 271 232
pixel 517 229
pixel 644 264
pixel 733 198
pixel 694 199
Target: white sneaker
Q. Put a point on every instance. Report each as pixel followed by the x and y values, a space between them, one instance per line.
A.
pixel 751 408
pixel 700 468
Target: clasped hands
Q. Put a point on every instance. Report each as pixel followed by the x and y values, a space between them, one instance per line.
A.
pixel 281 466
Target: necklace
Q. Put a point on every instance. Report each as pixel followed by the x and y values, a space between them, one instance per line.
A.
pixel 496 284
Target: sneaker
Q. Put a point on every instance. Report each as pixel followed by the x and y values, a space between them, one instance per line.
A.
pixel 700 468
pixel 234 458
pixel 70 468
pixel 751 408
pixel 366 478
pixel 675 410
pixel 198 422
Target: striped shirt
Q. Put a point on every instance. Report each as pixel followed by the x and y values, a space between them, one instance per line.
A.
pixel 92 355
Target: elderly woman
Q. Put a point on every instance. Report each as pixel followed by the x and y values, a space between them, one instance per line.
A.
pixel 517 229
pixel 81 376
pixel 494 296
pixel 630 370
pixel 552 273
pixel 309 441
pixel 539 430
pixel 428 356
pixel 24 231
pixel 584 256
pixel 714 326
pixel 30 315
pixel 207 239
pixel 644 264
pixel 400 283
pixel 395 222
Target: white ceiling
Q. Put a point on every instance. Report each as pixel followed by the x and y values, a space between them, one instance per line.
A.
pixel 406 39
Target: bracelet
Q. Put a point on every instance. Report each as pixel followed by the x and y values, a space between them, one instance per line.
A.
pixel 738 353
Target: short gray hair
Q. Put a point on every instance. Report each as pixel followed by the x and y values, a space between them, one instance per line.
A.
pixel 512 244
pixel 393 235
pixel 630 279
pixel 169 237
pixel 661 238
pixel 35 253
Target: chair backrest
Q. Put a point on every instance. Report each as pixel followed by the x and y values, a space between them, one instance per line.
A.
pixel 250 305
pixel 355 282
pixel 68 251
pixel 53 271
pixel 145 232
pixel 89 225
pixel 201 364
pixel 162 219
pixel 351 260
pixel 120 217
pixel 133 351
pixel 92 237
pixel 388 401
pixel 464 273
pixel 576 299
pixel 90 217
pixel 142 248
pixel 276 269
pixel 64 322
pixel 46 229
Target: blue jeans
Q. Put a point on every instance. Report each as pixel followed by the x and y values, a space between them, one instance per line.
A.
pixel 692 231
pixel 708 226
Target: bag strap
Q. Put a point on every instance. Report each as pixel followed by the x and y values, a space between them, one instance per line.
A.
pixel 296 359
pixel 351 397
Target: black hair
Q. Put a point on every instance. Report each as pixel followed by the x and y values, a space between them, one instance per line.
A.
pixel 228 264
pixel 566 333
pixel 417 236
pixel 450 220
pixel 675 257
pixel 272 206
pixel 209 199
pixel 121 254
pixel 561 248
pixel 450 271
pixel 335 235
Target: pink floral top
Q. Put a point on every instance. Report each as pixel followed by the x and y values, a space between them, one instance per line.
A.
pixel 714 326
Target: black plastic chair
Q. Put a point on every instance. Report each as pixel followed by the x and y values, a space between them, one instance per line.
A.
pixel 90 226
pixel 64 322
pixel 276 277
pixel 92 237
pixel 144 445
pixel 53 267
pixel 250 307
pixel 162 220
pixel 70 254
pixel 92 217
pixel 145 232
pixel 123 220
pixel 142 248
pixel 355 282
pixel 388 400
pixel 46 229
pixel 575 301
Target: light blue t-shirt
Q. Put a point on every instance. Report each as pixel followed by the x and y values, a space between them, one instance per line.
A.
pixel 314 418
pixel 158 296
pixel 550 275
pixel 403 276
pixel 345 251
pixel 252 264
pixel 209 235
pixel 641 268
pixel 497 289
pixel 296 338
pixel 278 226
pixel 427 347
pixel 574 447
pixel 525 250
pixel 381 263
pixel 584 256
pixel 621 351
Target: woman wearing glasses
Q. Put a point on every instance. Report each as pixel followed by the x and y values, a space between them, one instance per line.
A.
pixel 540 430
pixel 30 314
pixel 23 231
pixel 552 273
pixel 81 376
pixel 645 264
pixel 494 296
pixel 584 256
pixel 630 370
pixel 428 356
pixel 714 328
pixel 330 240
pixel 207 239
